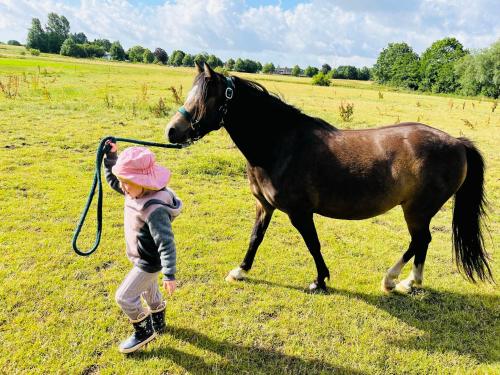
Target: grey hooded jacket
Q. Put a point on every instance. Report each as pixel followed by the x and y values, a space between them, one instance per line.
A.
pixel 147 222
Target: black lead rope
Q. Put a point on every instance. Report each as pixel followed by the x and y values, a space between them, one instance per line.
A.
pixel 97 183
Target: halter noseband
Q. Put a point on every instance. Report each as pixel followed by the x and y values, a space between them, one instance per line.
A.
pixel 228 93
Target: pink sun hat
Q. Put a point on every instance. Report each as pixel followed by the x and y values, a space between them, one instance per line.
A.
pixel 138 165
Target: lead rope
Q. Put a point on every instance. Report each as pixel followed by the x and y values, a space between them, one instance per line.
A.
pixel 102 149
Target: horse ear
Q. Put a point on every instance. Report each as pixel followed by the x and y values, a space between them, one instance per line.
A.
pixel 209 73
pixel 199 69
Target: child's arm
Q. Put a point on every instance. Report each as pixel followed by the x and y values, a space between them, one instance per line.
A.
pixel 160 228
pixel 109 162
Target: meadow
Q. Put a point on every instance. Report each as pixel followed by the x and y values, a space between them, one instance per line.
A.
pixel 58 312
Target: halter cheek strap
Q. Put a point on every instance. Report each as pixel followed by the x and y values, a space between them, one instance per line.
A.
pixel 228 93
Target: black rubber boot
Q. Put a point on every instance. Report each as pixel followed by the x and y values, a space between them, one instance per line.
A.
pixel 143 334
pixel 158 317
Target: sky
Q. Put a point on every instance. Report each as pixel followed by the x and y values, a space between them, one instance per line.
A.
pixel 314 32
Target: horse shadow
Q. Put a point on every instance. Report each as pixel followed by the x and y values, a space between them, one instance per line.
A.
pixel 237 359
pixel 466 324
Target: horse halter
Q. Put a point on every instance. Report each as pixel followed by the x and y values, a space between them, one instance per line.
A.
pixel 228 93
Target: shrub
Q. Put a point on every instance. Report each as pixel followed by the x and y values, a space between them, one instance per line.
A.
pixel 159 109
pixel 222 70
pixel 34 51
pixel 346 111
pixel 320 79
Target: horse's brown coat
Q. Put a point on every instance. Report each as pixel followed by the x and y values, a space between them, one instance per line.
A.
pixel 302 165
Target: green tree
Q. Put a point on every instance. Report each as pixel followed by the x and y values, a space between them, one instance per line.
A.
pixel 201 58
pixel 136 53
pixel 311 71
pixel 176 58
pixel 57 30
pixel 80 38
pixel 70 48
pixel 229 65
pixel 214 61
pixel 247 65
pixel 104 43
pixel 36 39
pixel 239 65
pixel 437 65
pixel 91 50
pixel 296 71
pixel 480 73
pixel 13 43
pixel 160 55
pixel 147 56
pixel 116 51
pixel 325 68
pixel 345 72
pixel 364 73
pixel 268 68
pixel 188 60
pixel 397 65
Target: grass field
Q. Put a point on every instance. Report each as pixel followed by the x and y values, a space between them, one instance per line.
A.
pixel 58 313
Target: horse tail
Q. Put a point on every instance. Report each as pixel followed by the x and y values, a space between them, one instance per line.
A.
pixel 468 212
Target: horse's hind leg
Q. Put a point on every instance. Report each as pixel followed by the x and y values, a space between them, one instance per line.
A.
pixel 389 280
pixel 418 220
pixel 263 215
pixel 304 223
pixel 420 238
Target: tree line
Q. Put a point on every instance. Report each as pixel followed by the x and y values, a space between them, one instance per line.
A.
pixel 445 67
pixel 56 38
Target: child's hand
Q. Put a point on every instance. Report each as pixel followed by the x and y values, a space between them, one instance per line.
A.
pixel 114 147
pixel 170 286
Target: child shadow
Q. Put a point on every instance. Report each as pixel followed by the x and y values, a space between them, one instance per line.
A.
pixel 237 358
pixel 466 324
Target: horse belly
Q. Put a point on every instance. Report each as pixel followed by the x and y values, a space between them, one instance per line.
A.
pixel 355 209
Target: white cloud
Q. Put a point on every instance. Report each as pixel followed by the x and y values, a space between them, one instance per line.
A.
pixel 312 32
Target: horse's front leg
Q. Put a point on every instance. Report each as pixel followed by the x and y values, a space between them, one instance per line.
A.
pixel 304 223
pixel 264 212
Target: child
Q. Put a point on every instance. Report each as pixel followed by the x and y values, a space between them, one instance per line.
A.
pixel 149 209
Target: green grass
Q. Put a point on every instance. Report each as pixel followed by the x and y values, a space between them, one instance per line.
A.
pixel 59 315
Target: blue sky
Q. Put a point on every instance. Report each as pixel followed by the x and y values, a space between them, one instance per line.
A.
pixel 290 32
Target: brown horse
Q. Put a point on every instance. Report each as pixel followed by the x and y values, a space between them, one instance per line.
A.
pixel 302 165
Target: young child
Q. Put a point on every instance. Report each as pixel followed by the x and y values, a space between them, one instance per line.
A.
pixel 150 207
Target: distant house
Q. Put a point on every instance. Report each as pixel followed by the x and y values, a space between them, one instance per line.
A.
pixel 284 71
pixel 107 56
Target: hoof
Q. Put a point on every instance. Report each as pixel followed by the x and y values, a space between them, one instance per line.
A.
pixel 315 288
pixel 404 287
pixel 387 285
pixel 236 274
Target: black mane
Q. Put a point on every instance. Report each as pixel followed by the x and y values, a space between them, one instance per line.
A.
pixel 284 110
pixel 253 89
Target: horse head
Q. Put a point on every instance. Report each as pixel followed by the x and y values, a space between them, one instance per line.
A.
pixel 204 109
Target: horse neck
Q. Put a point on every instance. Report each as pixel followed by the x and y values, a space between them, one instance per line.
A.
pixel 257 126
